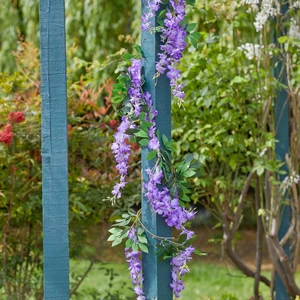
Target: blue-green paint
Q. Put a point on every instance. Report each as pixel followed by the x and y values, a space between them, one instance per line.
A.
pixel 157 274
pixel 54 149
pixel 281 149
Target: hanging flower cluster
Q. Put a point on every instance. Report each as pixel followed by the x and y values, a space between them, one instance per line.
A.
pixel 135 266
pixel 7 134
pixel 138 122
pixel 173 41
pixel 121 151
pixel 179 268
pixel 153 7
pixel 162 202
pixel 175 216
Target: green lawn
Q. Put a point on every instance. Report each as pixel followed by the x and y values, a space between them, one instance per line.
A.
pixel 205 281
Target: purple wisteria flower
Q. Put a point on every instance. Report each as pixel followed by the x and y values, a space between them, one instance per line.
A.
pixel 135 266
pixel 120 148
pixel 139 99
pixel 179 264
pixel 173 41
pixel 153 7
pixel 175 216
pixel 162 202
pixel 122 152
pixel 135 91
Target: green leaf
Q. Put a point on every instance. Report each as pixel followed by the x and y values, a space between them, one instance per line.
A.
pixel 112 238
pixel 283 39
pixel 138 49
pixel 142 116
pixel 140 231
pixel 200 253
pixel 183 167
pixel 131 131
pixel 189 242
pixel 189 157
pixel 194 42
pixel 185 198
pixel 151 155
pixel 162 14
pixel 195 35
pixel 191 27
pixel 128 243
pixel 189 173
pixel 127 56
pixel 143 247
pixel 115 230
pixel 135 246
pixel 116 242
pixel 165 140
pixel 191 2
pixel 184 189
pixel 142 239
pixel 144 142
pixel 141 134
pixel 182 238
pixel 146 124
pixel 159 251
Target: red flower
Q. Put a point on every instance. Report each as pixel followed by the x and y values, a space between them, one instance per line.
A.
pixel 16 117
pixel 6 135
pixel 113 124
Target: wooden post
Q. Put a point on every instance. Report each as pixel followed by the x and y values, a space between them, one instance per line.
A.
pixel 157 275
pixel 54 149
pixel 282 149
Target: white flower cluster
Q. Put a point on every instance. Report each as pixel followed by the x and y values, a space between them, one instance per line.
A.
pixel 289 181
pixel 295 4
pixel 294 30
pixel 251 50
pixel 252 3
pixel 265 9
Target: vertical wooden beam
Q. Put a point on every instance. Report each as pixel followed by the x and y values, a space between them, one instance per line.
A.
pixel 54 149
pixel 157 275
pixel 282 148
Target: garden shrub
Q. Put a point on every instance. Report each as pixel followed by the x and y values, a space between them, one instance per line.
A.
pixel 91 172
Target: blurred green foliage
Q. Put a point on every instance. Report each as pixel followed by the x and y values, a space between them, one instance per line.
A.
pixel 94 28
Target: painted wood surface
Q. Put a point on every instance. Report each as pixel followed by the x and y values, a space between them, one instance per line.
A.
pixel 282 149
pixel 54 149
pixel 157 275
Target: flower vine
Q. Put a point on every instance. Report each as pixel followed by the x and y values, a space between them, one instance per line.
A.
pixel 166 188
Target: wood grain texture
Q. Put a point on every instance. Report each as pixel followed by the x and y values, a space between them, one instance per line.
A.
pixel 157 275
pixel 54 149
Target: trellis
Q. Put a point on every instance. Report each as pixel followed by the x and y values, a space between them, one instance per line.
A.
pixel 55 157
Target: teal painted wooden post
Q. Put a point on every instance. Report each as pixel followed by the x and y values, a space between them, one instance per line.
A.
pixel 54 150
pixel 281 149
pixel 157 275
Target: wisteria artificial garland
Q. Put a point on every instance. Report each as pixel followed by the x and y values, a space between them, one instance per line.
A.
pixel 173 37
pixel 139 122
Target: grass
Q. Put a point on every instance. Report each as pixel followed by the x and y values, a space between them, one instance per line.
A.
pixel 205 281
